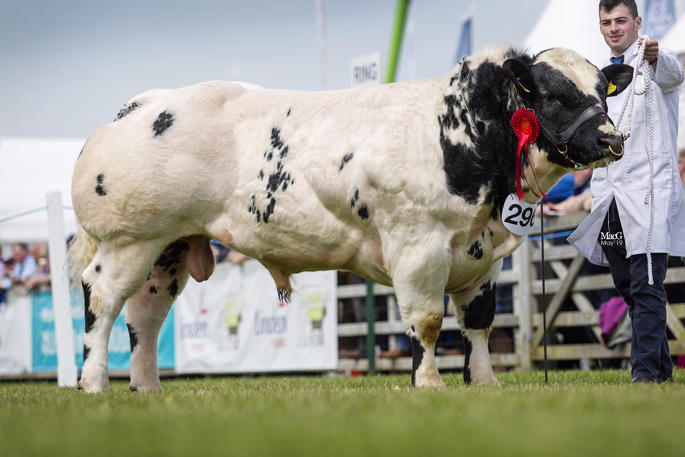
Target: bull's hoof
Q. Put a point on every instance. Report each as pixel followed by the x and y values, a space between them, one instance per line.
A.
pixel 489 380
pixel 429 380
pixel 91 387
pixel 154 387
pixel 93 380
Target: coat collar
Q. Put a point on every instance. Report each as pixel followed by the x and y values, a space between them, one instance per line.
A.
pixel 629 53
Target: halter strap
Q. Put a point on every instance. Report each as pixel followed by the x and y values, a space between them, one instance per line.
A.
pixel 564 137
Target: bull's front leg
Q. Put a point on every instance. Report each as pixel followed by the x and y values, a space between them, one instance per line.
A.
pixel 475 319
pixel 419 282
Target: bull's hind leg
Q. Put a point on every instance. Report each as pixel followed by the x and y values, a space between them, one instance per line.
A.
pixel 419 285
pixel 475 320
pixel 146 311
pixel 115 273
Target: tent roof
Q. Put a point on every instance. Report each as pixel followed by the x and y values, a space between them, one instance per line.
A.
pixel 570 25
pixel 30 168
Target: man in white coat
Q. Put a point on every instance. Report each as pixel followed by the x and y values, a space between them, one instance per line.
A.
pixel 638 203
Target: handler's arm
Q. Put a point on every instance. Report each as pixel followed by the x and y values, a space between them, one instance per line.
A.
pixel 669 73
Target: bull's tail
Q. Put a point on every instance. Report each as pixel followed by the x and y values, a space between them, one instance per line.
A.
pixel 81 253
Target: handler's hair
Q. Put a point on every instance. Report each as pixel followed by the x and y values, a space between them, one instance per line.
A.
pixel 608 5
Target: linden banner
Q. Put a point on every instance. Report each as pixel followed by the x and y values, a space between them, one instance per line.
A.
pixel 235 323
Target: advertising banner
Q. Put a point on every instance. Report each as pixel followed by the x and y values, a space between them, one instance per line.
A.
pixel 44 349
pixel 235 323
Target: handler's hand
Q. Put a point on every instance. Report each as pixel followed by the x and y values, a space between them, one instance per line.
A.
pixel 652 52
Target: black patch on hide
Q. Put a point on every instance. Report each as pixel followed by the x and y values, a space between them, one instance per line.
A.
pixel 479 314
pixel 467 357
pixel 476 250
pixel 173 287
pixel 132 336
pixel 494 214
pixel 355 198
pixel 346 158
pixel 98 268
pixel 279 179
pixel 417 351
pixel 125 110
pixel 276 141
pixel 477 102
pixel 363 211
pixel 99 188
pixel 559 106
pixel 269 210
pixel 172 254
pixel 162 123
pixel 89 317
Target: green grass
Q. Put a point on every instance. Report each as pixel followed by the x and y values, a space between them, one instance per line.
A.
pixel 577 414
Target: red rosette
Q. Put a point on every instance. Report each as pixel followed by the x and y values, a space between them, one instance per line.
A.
pixel 525 125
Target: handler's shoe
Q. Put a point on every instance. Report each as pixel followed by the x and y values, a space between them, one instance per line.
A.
pixel 642 380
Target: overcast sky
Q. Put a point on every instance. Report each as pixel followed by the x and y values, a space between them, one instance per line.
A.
pixel 66 67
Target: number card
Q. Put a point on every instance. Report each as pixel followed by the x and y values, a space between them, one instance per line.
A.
pixel 518 216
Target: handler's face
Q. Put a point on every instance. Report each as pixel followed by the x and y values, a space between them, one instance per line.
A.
pixel 619 28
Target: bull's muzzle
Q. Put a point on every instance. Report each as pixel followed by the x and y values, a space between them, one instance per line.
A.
pixel 611 146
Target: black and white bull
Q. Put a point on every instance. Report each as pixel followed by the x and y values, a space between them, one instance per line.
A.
pixel 402 184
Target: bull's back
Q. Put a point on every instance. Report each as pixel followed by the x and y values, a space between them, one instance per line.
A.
pixel 158 166
pixel 287 177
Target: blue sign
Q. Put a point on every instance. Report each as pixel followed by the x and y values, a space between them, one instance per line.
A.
pixel 45 348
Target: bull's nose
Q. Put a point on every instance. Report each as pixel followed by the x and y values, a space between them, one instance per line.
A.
pixel 611 145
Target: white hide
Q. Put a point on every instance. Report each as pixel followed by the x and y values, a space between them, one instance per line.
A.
pixel 348 179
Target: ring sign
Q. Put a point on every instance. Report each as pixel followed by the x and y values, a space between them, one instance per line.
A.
pixel 518 216
pixel 366 70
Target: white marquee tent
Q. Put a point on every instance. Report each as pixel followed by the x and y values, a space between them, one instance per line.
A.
pixel 29 168
pixel 675 38
pixel 569 24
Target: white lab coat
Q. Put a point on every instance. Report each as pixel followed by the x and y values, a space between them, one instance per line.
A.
pixel 627 180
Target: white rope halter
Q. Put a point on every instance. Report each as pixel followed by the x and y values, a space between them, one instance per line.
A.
pixel 642 68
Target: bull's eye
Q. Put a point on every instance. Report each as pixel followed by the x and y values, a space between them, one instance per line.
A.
pixel 551 97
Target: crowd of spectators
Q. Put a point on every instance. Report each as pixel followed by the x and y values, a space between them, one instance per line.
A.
pixel 27 267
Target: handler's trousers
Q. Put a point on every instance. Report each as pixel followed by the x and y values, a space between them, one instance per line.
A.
pixel 650 357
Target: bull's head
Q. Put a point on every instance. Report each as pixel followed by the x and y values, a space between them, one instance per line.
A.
pixel 568 94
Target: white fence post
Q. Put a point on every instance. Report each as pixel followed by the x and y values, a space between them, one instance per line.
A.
pixel 523 298
pixel 61 300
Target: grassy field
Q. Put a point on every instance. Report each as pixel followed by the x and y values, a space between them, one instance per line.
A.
pixel 576 414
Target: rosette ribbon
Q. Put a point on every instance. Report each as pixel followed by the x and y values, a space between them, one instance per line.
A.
pixel 526 127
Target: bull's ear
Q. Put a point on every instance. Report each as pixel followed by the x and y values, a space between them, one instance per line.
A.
pixel 521 76
pixel 619 76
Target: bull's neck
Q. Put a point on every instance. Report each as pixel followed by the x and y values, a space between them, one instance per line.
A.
pixel 478 145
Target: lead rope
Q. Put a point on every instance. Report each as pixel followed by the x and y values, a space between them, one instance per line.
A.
pixel 642 67
pixel 544 295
